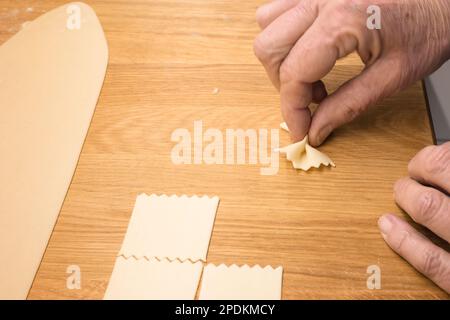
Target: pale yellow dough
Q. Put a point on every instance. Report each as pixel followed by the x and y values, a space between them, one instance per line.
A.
pixel 303 156
pixel 241 283
pixel 152 279
pixel 170 227
pixel 50 79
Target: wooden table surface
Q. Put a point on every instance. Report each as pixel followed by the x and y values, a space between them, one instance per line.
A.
pixel 166 58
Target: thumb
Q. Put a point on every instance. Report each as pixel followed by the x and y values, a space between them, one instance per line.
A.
pixel 377 81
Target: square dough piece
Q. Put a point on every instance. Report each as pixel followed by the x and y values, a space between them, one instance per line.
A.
pixel 241 283
pixel 153 280
pixel 170 227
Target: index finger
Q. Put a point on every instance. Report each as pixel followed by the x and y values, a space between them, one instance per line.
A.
pixel 308 61
pixel 432 166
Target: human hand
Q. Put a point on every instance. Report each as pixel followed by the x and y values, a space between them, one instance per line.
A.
pixel 301 40
pixel 425 197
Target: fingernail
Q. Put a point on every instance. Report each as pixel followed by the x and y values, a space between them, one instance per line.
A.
pixel 385 225
pixel 323 134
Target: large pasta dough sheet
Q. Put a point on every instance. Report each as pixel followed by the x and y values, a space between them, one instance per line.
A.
pixel 51 74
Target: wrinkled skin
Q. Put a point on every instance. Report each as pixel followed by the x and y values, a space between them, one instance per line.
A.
pixel 424 196
pixel 300 42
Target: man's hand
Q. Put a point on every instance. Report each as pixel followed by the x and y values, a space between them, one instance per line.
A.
pixel 301 40
pixel 424 196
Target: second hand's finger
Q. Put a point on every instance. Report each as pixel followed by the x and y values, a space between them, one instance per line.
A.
pixel 427 206
pixel 432 166
pixel 423 255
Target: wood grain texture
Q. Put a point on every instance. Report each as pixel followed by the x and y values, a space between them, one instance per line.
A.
pixel 166 57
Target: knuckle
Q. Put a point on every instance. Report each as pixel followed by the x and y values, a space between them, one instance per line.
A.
pixel 350 6
pixel 340 21
pixel 419 158
pixel 346 3
pixel 431 264
pixel 350 111
pixel 287 72
pixel 344 12
pixel 400 185
pixel 437 160
pixel 429 203
pixel 400 189
pixel 261 49
pixel 400 244
pixel 305 8
pixel 302 9
pixel 445 276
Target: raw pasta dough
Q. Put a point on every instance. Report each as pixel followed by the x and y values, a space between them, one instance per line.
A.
pixel 303 156
pixel 170 227
pixel 241 283
pixel 152 279
pixel 50 78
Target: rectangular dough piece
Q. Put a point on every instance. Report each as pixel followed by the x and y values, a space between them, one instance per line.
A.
pixel 241 283
pixel 170 227
pixel 152 279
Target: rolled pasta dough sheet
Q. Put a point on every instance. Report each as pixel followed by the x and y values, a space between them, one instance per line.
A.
pixel 51 74
pixel 303 156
